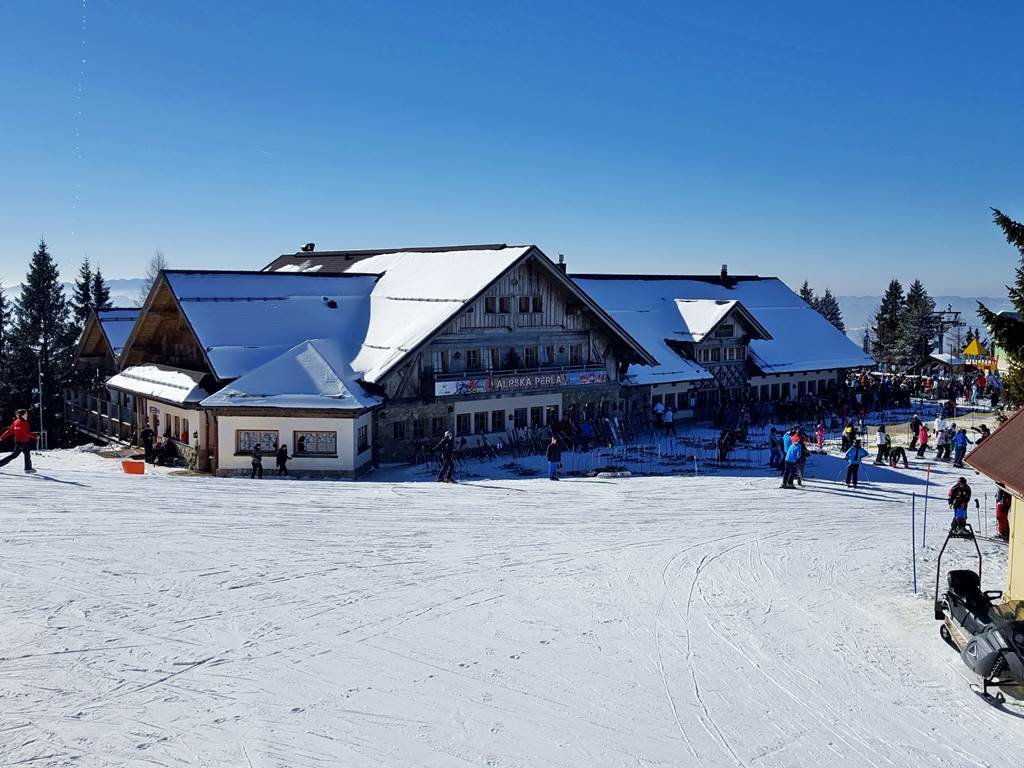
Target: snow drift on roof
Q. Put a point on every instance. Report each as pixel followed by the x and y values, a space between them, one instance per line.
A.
pixel 175 385
pixel 700 316
pixel 802 340
pixel 116 325
pixel 418 292
pixel 313 374
pixel 244 320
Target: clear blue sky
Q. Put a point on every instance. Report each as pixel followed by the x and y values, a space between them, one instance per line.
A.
pixel 845 146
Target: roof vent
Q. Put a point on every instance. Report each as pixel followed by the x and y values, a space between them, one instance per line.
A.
pixel 330 303
pixel 561 262
pixel 308 248
pixel 725 271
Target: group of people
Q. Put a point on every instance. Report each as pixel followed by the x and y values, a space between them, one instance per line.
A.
pixel 161 452
pixel 281 458
pixel 788 453
pixel 951 442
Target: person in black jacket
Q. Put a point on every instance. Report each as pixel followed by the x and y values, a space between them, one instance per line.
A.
pixel 959 497
pixel 554 455
pixel 148 437
pixel 446 458
pixel 915 428
pixel 282 460
pixel 257 462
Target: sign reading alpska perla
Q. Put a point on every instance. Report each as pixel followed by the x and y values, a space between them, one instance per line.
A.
pixel 518 382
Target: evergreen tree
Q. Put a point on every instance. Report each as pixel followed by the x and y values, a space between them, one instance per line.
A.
pixel 828 307
pixel 5 343
pixel 807 294
pixel 970 336
pixel 157 264
pixel 886 326
pixel 81 295
pixel 100 291
pixel 41 343
pixel 918 327
pixel 1008 332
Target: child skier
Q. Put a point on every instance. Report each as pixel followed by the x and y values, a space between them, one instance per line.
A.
pixel 960 443
pixel 880 444
pixel 23 435
pixel 853 459
pixel 898 454
pixel 959 497
pixel 819 432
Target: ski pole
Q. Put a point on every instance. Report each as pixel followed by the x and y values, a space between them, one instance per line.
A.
pixel 913 547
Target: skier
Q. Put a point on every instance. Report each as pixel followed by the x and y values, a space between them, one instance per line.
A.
pixel 659 411
pixel 897 455
pixel 853 459
pixel 446 457
pixel 960 443
pixel 23 435
pixel 1002 514
pixel 801 462
pixel 554 456
pixel 775 454
pixel 820 434
pixel 959 497
pixel 148 437
pixel 792 458
pixel 282 460
pixel 669 420
pixel 941 445
pixel 257 462
pixel 849 436
pixel 922 439
pixel 880 437
pixel 915 431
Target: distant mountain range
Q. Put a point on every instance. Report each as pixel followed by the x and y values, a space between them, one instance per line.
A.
pixel 123 293
pixel 858 311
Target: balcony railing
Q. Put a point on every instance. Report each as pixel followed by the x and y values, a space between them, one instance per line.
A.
pixel 98 417
pixel 474 373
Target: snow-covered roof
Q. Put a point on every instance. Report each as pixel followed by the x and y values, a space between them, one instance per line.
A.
pixel 245 319
pixel 175 385
pixel 116 324
pixel 313 374
pixel 418 292
pixel 647 306
pixel 946 359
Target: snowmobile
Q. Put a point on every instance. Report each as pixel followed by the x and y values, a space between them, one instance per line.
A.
pixel 989 637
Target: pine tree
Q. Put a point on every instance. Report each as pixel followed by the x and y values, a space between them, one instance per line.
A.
pixel 887 325
pixel 1008 332
pixel 919 325
pixel 969 337
pixel 41 343
pixel 156 265
pixel 5 343
pixel 81 295
pixel 100 291
pixel 807 294
pixel 828 307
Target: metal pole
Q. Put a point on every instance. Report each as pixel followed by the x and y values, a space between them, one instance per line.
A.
pixel 42 429
pixel 927 490
pixel 913 547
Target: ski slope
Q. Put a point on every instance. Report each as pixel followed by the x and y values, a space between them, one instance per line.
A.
pixel 646 621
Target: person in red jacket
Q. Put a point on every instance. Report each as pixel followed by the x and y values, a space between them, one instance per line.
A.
pixel 23 435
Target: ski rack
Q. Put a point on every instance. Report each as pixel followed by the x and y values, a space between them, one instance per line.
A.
pixel 966 533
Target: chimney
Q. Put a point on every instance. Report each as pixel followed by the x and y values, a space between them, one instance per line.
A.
pixel 725 271
pixel 561 262
pixel 308 248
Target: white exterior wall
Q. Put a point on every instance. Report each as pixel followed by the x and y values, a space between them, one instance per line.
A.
pixel 680 389
pixel 830 375
pixel 228 460
pixel 166 414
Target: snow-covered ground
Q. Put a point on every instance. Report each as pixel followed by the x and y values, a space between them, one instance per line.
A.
pixel 644 621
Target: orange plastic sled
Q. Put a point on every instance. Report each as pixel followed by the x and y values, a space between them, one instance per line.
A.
pixel 133 467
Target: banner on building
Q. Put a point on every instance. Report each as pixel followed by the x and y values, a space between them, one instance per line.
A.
pixel 519 382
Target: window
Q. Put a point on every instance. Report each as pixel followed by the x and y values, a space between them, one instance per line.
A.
pixel 472 359
pixel 177 428
pixel 363 438
pixel 537 304
pixel 741 353
pixel 551 414
pixel 655 399
pixel 418 429
pixel 822 386
pixel 480 422
pixel 785 390
pixel 398 430
pixel 524 305
pixel 812 387
pixel 530 357
pixel 716 354
pixel 670 400
pixel 519 416
pixel 764 391
pixel 491 305
pixel 775 391
pixel 437 426
pixel 440 361
pixel 547 355
pixel 801 388
pixel 537 416
pixel 730 353
pixel 504 305
pixel 575 354
pixel 247 439
pixel 724 332
pixel 462 423
pixel 497 421
pixel 185 434
pixel 311 443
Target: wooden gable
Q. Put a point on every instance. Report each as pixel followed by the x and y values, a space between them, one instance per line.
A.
pixel 163 335
pixel 94 352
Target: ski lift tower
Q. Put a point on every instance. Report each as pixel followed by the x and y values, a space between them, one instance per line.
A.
pixel 945 320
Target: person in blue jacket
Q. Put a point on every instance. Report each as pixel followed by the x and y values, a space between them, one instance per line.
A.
pixel 853 459
pixel 793 453
pixel 960 443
